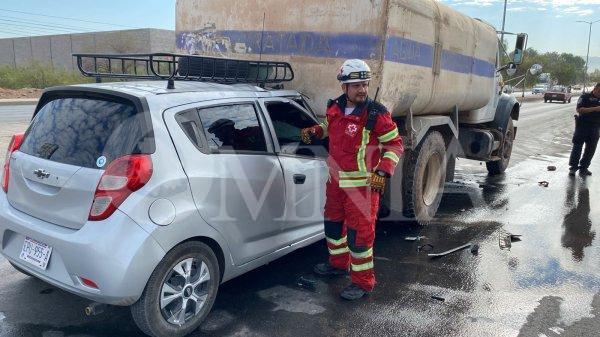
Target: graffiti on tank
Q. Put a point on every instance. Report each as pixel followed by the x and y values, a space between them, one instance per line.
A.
pixel 213 42
pixel 209 41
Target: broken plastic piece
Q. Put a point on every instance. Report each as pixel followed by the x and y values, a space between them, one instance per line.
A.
pixel 433 255
pixel 307 283
pixel 415 238
pixel 425 248
pixel 543 183
pixel 505 242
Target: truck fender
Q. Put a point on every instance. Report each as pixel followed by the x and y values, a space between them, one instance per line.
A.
pixel 508 107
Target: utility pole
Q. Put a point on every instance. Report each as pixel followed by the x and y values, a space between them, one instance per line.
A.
pixel 503 22
pixel 587 58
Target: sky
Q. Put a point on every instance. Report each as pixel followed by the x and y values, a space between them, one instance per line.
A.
pixel 551 24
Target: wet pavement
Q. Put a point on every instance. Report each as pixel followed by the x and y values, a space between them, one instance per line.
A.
pixel 546 284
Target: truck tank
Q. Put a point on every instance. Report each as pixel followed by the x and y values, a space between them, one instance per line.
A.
pixel 421 52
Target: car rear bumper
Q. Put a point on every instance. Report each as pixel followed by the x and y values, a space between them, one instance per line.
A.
pixel 117 254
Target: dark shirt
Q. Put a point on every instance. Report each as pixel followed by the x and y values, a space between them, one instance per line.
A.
pixel 589 101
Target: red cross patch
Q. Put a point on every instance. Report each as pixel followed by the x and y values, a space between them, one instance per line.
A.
pixel 351 130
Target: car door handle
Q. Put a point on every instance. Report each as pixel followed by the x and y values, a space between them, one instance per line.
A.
pixel 299 179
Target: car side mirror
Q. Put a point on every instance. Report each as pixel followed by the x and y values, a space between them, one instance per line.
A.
pixel 519 49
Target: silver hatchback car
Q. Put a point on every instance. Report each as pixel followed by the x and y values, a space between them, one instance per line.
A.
pixel 132 194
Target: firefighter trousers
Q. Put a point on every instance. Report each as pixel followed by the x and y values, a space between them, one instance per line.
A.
pixel 350 215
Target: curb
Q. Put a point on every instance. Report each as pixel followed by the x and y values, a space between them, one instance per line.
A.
pixel 20 101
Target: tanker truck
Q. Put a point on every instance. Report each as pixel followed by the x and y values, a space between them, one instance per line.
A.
pixel 436 70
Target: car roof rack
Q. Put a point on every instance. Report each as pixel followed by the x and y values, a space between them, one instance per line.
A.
pixel 180 67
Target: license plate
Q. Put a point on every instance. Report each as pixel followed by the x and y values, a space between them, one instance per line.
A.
pixel 36 253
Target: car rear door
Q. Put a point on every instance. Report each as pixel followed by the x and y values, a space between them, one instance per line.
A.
pixel 237 184
pixel 304 167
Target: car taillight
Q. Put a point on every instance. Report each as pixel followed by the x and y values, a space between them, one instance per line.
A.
pixel 123 176
pixel 14 145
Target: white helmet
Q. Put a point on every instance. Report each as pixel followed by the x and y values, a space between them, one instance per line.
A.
pixel 354 71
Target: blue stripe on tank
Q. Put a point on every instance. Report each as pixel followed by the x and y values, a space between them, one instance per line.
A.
pixel 328 45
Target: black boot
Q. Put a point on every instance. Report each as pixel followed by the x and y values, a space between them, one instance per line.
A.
pixel 572 171
pixel 325 269
pixel 353 292
pixel 585 172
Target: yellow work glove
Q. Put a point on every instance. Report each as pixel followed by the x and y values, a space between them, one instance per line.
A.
pixel 307 134
pixel 377 181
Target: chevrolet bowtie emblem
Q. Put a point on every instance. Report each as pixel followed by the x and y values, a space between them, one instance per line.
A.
pixel 40 173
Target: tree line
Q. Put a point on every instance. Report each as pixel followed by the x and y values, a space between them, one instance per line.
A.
pixel 564 68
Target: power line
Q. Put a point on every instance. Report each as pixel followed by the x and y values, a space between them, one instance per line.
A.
pixel 21 33
pixel 42 30
pixel 67 18
pixel 34 26
pixel 43 22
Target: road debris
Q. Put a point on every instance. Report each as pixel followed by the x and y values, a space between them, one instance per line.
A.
pixel 425 248
pixel 434 255
pixel 515 237
pixel 307 283
pixel 415 238
pixel 475 249
pixel 551 168
pixel 441 299
pixel 504 242
pixel 543 183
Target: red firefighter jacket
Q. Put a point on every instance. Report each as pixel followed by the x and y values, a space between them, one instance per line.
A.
pixel 355 151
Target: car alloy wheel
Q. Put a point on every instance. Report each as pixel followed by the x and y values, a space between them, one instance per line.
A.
pixel 184 291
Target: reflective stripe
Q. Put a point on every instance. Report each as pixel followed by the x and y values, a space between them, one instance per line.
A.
pixel 353 174
pixel 389 136
pixel 323 126
pixel 337 242
pixel 338 251
pixel 360 157
pixel 362 267
pixel 353 183
pixel 362 255
pixel 392 156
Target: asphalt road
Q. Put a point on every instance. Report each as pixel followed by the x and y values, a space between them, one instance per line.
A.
pixel 546 284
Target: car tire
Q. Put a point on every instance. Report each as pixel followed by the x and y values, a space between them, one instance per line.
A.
pixel 22 271
pixel 499 166
pixel 425 169
pixel 179 278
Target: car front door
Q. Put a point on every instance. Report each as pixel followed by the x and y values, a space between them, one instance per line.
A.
pixel 304 168
pixel 234 174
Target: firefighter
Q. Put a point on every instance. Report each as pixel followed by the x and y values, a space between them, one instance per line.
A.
pixel 587 126
pixel 364 148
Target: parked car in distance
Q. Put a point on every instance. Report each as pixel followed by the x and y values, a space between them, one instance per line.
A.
pixel 539 89
pixel 558 93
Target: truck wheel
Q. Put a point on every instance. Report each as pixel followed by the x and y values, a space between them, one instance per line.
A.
pixel 499 166
pixel 180 293
pixel 425 174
